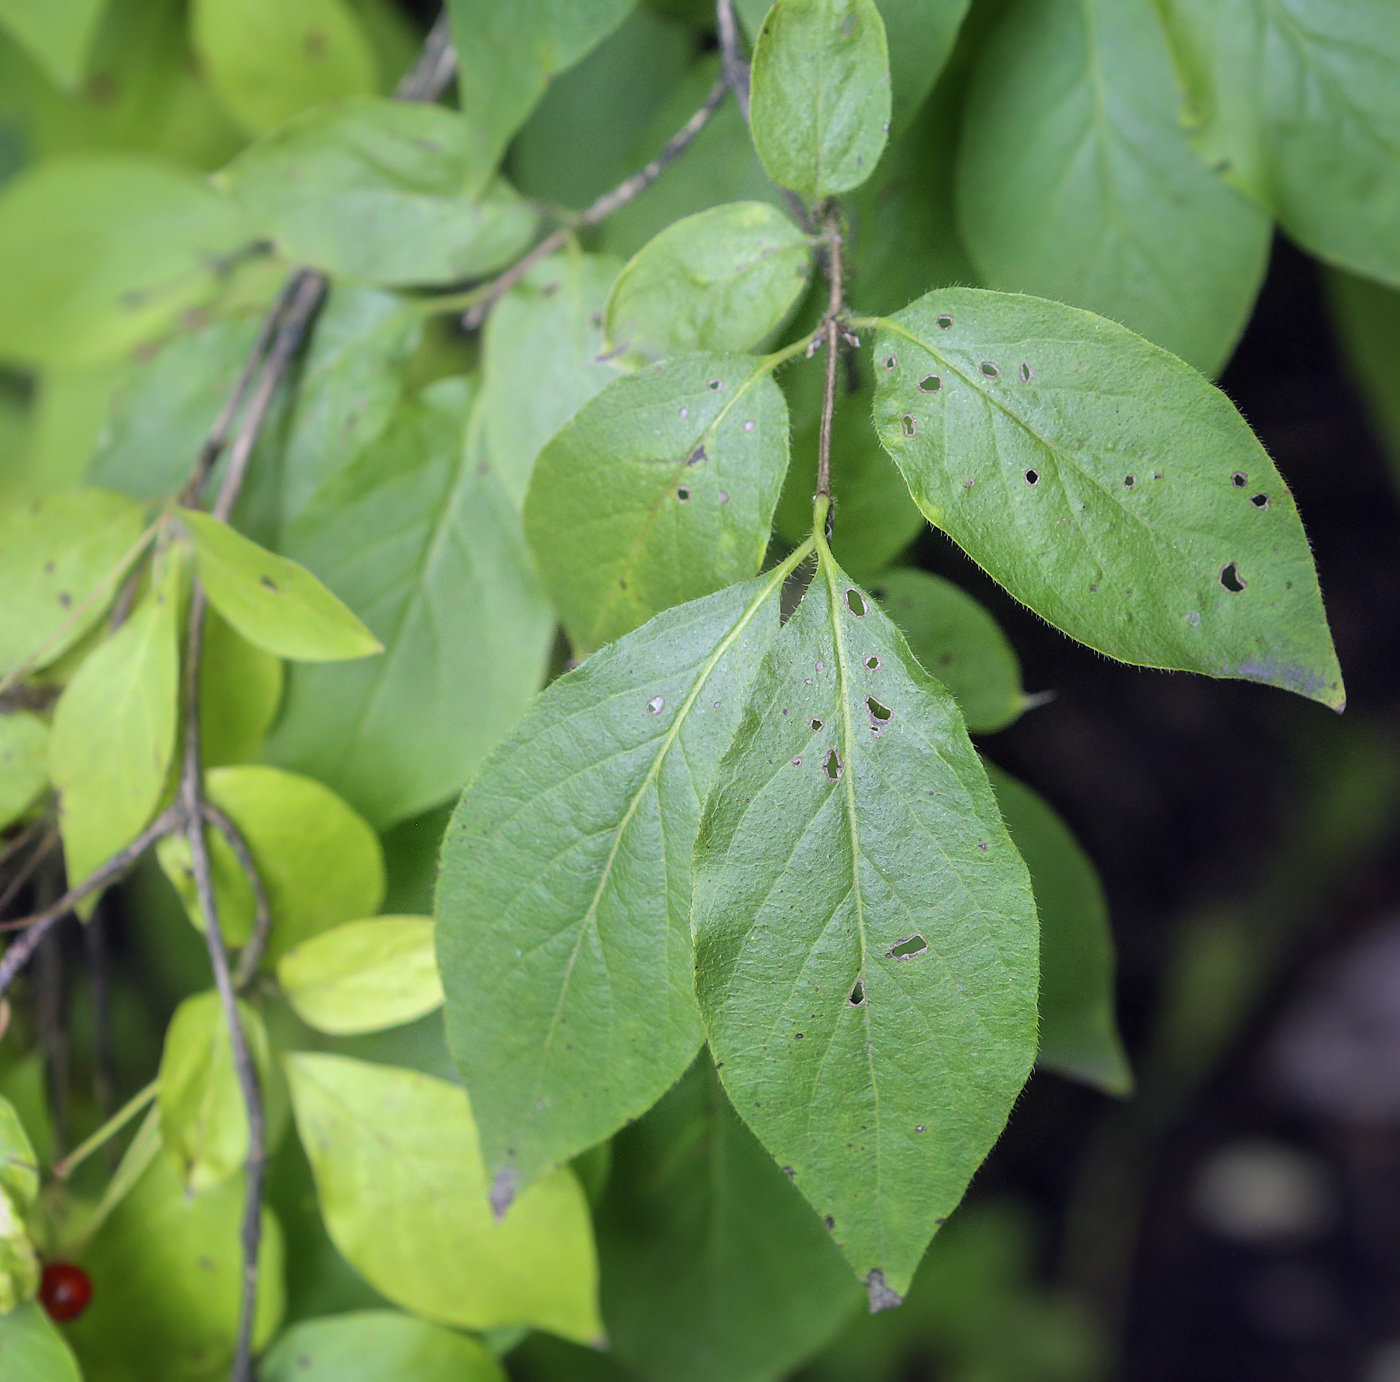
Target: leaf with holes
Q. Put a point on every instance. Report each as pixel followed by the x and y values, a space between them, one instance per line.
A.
pixel 420 537
pixel 392 1147
pixel 714 1269
pixel 958 642
pixel 373 1344
pixel 64 557
pixel 508 53
pixel 539 360
pixel 1078 1029
pixel 383 192
pixel 203 1121
pixel 1299 104
pixel 821 94
pixel 564 902
pixel 865 933
pixel 114 732
pixel 1077 182
pixel 274 603
pixel 320 863
pixel 1104 483
pixel 719 280
pixel 659 491
pixel 363 976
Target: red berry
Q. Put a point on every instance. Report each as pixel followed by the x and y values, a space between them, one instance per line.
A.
pixel 64 1291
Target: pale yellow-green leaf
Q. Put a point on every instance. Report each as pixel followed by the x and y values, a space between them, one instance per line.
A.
pixel 24 763
pixel 320 862
pixel 363 976
pixel 19 1164
pixel 391 1148
pixel 55 552
pixel 273 602
pixel 114 732
pixel 31 1345
pixel 55 32
pixel 240 688
pixel 19 1263
pixel 204 1123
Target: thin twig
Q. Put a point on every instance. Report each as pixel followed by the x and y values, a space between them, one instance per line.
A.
pixel 23 840
pixel 100 992
pixel 619 196
pixel 26 871
pixel 36 926
pixel 251 955
pixel 831 330
pixel 192 806
pixel 733 63
pixel 435 67
pixel 65 1168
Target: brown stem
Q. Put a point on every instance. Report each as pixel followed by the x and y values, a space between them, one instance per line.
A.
pixel 26 870
pixel 831 332
pixel 251 955
pixel 733 63
pixel 601 209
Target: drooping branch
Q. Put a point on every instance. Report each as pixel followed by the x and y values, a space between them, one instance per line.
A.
pixel 484 299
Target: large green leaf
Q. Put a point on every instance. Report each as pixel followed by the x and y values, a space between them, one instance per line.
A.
pixel 32 1350
pixel 167 1277
pixel 660 490
pixel 920 36
pixel 24 763
pixel 719 280
pixel 274 603
pixel 865 933
pixel 269 59
pixel 714 1268
pixel 506 55
pixel 820 109
pixel 381 191
pixel 420 538
pixel 114 732
pixel 1078 1029
pixel 113 249
pixel 958 642
pixel 319 862
pixel 376 1346
pixel 392 1148
pixel 1104 483
pixel 1298 103
pixel 564 904
pixel 63 558
pixel 539 362
pixel 364 975
pixel 203 1120
pixel 58 33
pixel 1077 182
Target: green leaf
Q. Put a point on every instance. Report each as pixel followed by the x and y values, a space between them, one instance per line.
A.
pixel 1078 1029
pixel 114 248
pixel 63 556
pixel 319 862
pixel 720 280
pixel 919 35
pixel 564 903
pixel 24 764
pixel 875 519
pixel 958 642
pixel 660 490
pixel 820 109
pixel 203 1121
pixel 422 540
pixel 19 1188
pixel 392 1147
pixel 374 1346
pixel 714 1269
pixel 363 976
pixel 32 1350
pixel 506 55
pixel 57 33
pixel 865 933
pixel 1077 182
pixel 1299 105
pixel 381 191
pixel 19 1163
pixel 167 1275
pixel 113 735
pixel 539 360
pixel 1367 318
pixel 267 60
pixel 240 688
pixel 274 603
pixel 1104 483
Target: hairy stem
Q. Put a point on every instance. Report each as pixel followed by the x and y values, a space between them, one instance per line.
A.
pixel 831 333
